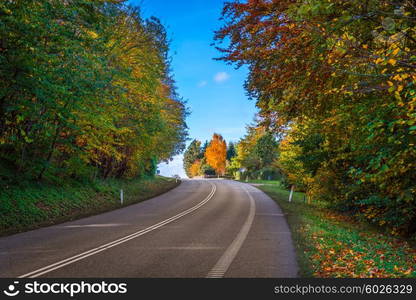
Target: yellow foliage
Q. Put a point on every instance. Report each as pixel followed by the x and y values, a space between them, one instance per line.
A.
pixel 292 167
pixel 392 61
pixel 195 169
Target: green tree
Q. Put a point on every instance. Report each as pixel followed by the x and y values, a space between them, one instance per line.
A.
pixel 266 149
pixel 85 89
pixel 231 152
pixel 203 150
pixel 191 154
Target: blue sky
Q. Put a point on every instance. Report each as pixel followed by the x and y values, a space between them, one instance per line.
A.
pixel 213 89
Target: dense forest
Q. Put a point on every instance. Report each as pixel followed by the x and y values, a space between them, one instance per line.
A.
pixel 86 91
pixel 334 81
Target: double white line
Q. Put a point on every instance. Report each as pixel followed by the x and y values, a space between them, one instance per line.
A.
pixel 75 258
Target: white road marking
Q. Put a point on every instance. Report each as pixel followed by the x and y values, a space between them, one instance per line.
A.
pixel 227 258
pixel 114 243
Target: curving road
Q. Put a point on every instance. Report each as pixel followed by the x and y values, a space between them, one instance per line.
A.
pixel 203 228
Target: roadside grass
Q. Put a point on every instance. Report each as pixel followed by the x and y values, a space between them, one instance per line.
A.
pixel 331 244
pixel 30 205
pixel 267 182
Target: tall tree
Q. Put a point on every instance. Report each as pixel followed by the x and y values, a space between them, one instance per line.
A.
pixel 85 89
pixel 343 74
pixel 246 156
pixel 204 149
pixel 231 152
pixel 216 154
pixel 266 149
pixel 191 154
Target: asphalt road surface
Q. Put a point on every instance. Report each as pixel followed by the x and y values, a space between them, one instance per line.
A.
pixel 202 228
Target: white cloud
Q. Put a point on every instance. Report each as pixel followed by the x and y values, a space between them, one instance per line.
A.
pixel 221 77
pixel 202 83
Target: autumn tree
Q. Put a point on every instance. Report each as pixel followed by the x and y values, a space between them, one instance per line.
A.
pixel 246 157
pixel 85 91
pixel 216 154
pixel 195 169
pixel 191 154
pixel 255 153
pixel 203 149
pixel 266 149
pixel 343 74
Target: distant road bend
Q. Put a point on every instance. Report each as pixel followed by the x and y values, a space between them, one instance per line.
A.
pixel 203 228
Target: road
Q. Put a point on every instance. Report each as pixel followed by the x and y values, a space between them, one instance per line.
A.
pixel 202 228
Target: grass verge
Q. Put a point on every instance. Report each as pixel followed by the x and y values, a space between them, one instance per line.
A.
pixel 32 205
pixel 330 244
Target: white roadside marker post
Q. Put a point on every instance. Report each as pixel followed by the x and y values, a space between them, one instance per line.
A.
pixel 291 193
pixel 121 197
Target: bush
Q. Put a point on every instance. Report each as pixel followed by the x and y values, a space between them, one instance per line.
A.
pixel 269 173
pixel 207 170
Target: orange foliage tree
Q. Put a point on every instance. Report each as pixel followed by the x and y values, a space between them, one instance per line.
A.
pixel 195 168
pixel 216 153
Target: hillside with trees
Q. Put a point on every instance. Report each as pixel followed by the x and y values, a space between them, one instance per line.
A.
pixel 88 106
